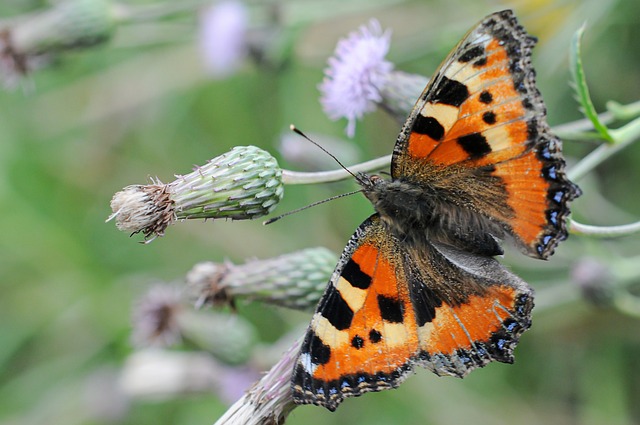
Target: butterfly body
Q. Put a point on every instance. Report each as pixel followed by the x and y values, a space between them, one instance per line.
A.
pixel 432 209
pixel 417 284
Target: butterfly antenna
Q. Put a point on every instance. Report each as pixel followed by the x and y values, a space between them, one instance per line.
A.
pixel 274 219
pixel 297 131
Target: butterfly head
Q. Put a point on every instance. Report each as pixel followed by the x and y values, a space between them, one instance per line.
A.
pixel 374 188
pixel 401 205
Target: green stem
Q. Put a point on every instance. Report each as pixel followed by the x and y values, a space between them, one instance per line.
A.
pixel 575 130
pixel 623 137
pixel 626 133
pixel 604 231
pixel 623 112
pixel 297 177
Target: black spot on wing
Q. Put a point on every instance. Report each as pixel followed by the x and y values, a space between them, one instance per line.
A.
pixel 319 352
pixel 489 117
pixel 471 54
pixel 526 102
pixel 375 336
pixel 532 130
pixel 335 309
pixel 480 62
pixel 475 144
pixel 357 342
pixel 450 92
pixel 355 276
pixel 391 309
pixel 429 126
pixel 485 97
pixel 424 300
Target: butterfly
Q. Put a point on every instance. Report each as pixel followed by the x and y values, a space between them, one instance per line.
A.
pixel 417 284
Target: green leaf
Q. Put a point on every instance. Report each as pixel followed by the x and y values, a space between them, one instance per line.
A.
pixel 582 91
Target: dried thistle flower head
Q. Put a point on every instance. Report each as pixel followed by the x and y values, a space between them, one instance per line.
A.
pixel 155 321
pixel 244 183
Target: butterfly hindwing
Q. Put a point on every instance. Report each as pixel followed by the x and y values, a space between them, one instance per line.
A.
pixel 363 333
pixel 482 118
pixel 482 309
pixel 391 305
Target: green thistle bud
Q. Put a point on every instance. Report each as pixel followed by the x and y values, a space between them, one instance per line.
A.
pixel 295 280
pixel 69 24
pixel 244 183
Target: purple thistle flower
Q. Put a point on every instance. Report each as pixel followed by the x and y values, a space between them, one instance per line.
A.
pixel 356 74
pixel 223 37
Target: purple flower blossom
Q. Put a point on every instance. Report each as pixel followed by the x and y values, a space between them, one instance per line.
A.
pixel 223 37
pixel 356 73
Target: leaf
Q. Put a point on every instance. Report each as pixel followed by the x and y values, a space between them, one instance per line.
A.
pixel 580 86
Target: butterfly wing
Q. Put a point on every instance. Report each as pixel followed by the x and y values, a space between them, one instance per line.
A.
pixel 391 305
pixel 482 118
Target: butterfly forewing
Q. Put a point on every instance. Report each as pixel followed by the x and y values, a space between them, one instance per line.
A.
pixel 480 114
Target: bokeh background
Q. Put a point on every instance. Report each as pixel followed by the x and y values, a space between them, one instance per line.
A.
pixel 145 104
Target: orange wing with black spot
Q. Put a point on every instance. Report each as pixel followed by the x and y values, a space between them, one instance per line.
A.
pixel 392 305
pixel 483 115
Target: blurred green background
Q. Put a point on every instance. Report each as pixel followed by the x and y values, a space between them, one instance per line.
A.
pixel 141 105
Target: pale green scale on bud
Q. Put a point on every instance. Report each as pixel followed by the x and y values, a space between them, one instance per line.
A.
pixel 244 183
pixel 69 24
pixel 296 280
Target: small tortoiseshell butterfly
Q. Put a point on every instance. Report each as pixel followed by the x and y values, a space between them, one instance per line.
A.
pixel 417 283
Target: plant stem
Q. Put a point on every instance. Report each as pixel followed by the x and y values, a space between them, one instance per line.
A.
pixel 623 137
pixel 604 231
pixel 297 177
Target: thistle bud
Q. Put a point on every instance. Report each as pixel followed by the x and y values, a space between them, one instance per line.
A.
pixel 71 23
pixel 244 183
pixel 67 25
pixel 295 280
